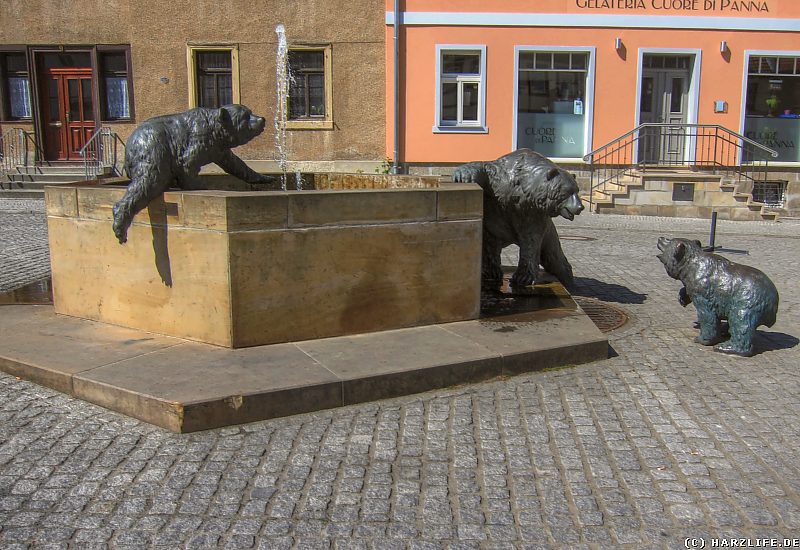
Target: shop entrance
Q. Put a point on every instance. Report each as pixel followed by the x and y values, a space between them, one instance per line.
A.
pixel 67 104
pixel 664 99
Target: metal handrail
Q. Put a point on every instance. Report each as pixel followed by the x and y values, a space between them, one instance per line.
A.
pixel 588 157
pixel 99 151
pixel 11 147
pixel 39 155
pixel 710 145
pixel 90 155
pixel 118 141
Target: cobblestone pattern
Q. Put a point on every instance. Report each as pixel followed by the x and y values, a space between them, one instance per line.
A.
pixel 24 256
pixel 664 440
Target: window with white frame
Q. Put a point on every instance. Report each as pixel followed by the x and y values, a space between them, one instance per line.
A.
pixel 461 85
pixel 551 101
pixel 772 103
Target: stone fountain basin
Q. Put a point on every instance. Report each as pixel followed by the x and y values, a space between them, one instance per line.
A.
pixel 349 254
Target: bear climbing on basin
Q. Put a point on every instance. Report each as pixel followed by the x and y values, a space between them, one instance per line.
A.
pixel 171 149
pixel 522 192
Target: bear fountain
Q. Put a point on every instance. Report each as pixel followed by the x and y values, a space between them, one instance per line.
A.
pixel 356 287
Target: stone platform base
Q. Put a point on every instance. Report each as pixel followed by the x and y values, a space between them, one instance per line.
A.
pixel 187 386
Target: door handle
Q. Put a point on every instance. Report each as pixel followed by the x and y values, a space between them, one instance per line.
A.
pixel 56 124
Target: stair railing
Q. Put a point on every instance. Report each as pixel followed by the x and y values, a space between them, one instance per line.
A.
pixel 18 148
pixel 102 151
pixel 12 150
pixel 696 146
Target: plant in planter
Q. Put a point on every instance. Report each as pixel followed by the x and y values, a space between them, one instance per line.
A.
pixel 772 104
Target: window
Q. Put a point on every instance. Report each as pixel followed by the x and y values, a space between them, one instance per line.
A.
pixel 551 100
pixel 772 103
pixel 461 85
pixel 15 91
pixel 115 88
pixel 310 92
pixel 773 86
pixel 214 76
pixel 307 89
pixel 771 193
pixel 214 79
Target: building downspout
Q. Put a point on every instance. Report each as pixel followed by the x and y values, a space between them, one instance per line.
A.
pixel 395 165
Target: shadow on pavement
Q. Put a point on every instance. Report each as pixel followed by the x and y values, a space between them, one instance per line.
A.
pixel 773 341
pixel 607 292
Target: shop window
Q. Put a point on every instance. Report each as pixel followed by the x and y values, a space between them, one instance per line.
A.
pixel 115 84
pixel 15 91
pixel 772 104
pixel 551 95
pixel 310 90
pixel 214 76
pixel 461 85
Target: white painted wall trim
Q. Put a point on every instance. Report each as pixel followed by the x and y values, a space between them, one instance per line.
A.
pixel 494 19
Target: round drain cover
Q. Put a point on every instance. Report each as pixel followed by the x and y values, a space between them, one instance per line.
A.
pixel 605 316
pixel 576 238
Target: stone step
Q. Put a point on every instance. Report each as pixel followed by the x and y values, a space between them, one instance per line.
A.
pixel 53 168
pixel 21 193
pixel 50 177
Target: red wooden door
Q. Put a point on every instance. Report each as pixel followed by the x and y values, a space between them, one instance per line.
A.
pixel 69 116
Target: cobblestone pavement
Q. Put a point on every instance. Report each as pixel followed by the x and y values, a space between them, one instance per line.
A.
pixel 24 256
pixel 664 440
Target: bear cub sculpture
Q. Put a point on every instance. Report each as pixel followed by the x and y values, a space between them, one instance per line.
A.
pixel 522 192
pixel 720 289
pixel 171 149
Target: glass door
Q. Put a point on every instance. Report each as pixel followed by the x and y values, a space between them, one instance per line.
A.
pixel 664 100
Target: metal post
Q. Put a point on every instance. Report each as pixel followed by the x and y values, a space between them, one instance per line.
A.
pixel 713 234
pixel 395 164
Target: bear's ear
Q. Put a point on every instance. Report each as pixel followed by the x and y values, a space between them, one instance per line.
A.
pixel 223 116
pixel 552 174
pixel 680 251
pixel 698 243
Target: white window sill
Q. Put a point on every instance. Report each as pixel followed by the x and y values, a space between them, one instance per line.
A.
pixel 437 129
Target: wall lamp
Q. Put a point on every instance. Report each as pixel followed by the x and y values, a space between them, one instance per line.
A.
pixel 618 43
pixel 723 46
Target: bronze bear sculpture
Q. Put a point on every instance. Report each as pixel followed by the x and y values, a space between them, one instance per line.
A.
pixel 522 191
pixel 720 289
pixel 171 149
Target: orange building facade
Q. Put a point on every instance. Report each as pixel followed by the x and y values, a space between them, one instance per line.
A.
pixel 479 79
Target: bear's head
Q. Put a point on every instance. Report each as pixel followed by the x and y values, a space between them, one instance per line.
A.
pixel 239 124
pixel 527 180
pixel 676 252
pixel 562 194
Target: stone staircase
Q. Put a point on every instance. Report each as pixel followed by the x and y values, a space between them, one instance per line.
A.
pixel 652 193
pixel 29 181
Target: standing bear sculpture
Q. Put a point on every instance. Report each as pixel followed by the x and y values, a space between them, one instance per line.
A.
pixel 720 290
pixel 170 150
pixel 522 192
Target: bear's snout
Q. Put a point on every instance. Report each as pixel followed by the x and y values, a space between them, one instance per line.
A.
pixel 572 207
pixel 257 124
